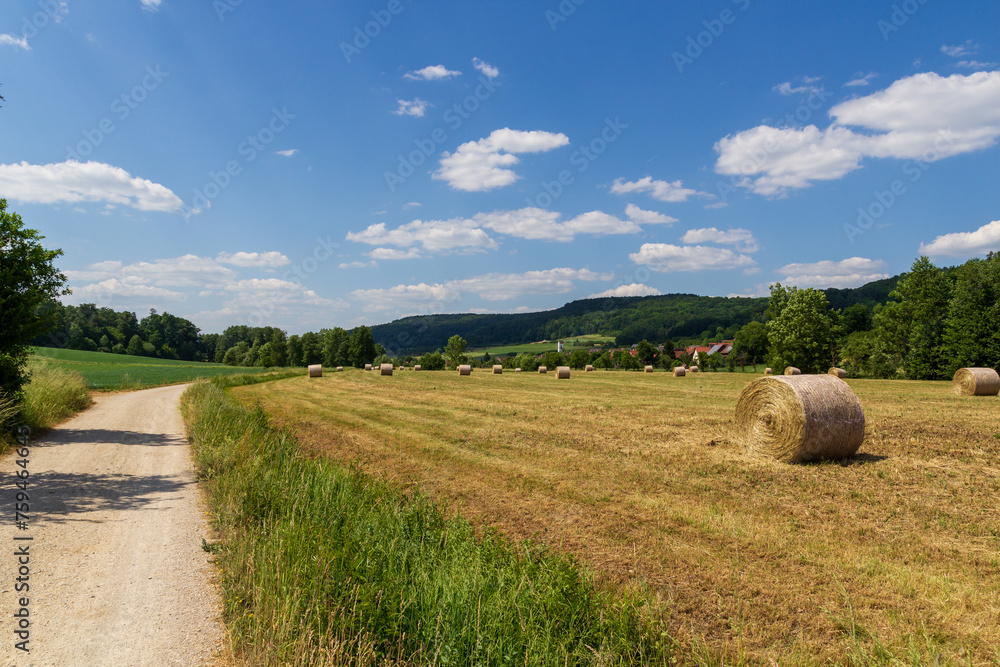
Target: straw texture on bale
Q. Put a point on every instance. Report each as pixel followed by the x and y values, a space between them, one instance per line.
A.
pixel 417 367
pixel 562 372
pixel 497 369
pixel 385 369
pixel 465 369
pixel 316 370
pixel 768 371
pixel 543 369
pixel 693 369
pixel 517 370
pixel 648 369
pixel 588 368
pixel 792 370
pixel 837 372
pixel 800 418
pixel 340 369
pixel 976 382
pixel 368 367
pixel 679 372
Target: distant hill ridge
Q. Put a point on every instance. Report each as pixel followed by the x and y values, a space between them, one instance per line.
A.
pixel 628 319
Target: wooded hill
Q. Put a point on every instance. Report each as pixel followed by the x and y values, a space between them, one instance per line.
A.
pixel 677 317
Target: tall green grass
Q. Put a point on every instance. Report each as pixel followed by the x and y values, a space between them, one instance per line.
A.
pixel 326 566
pixel 52 395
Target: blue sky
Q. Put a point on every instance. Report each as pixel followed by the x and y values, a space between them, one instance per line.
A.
pixel 313 164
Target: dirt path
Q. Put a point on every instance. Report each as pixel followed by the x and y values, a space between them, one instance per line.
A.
pixel 117 572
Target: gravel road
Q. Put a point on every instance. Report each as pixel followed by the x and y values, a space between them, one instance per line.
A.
pixel 117 572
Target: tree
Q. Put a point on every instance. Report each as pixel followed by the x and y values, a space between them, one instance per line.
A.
pixel 362 347
pixel 971 329
pixel 28 279
pixel 645 352
pixel 751 341
pixel 578 359
pixel 135 346
pixel 454 352
pixel 432 361
pixel 804 333
pixel 312 349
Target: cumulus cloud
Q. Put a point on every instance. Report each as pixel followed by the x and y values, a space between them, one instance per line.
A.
pixel 409 298
pixel 923 116
pixel 272 259
pixel 433 236
pixel 965 244
pixel 481 165
pixel 19 42
pixel 635 289
pixel 431 73
pixel 415 107
pixel 742 238
pixel 959 50
pixel 661 190
pixel 357 265
pixel 71 182
pixel 485 68
pixel 641 217
pixel 665 257
pixel 394 253
pixel 851 272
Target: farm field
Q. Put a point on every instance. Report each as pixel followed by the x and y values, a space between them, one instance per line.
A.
pixel 538 348
pixel 107 372
pixel 893 555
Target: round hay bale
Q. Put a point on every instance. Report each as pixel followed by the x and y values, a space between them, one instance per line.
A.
pixel 417 367
pixel 340 369
pixel 800 418
pixel 588 369
pixel 543 369
pixel 315 370
pixel 792 370
pixel 385 369
pixel 517 370
pixel 497 369
pixel 648 369
pixel 837 372
pixel 368 367
pixel 693 369
pixel 679 372
pixel 768 371
pixel 562 372
pixel 976 382
pixel 465 369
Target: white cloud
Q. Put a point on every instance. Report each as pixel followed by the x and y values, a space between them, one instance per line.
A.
pixel 481 165
pixel 641 217
pixel 598 223
pixel 393 253
pixel 288 153
pixel 860 80
pixel 965 244
pixel 415 107
pixel 411 298
pixel 806 86
pixel 113 291
pixel 485 68
pixel 959 50
pixel 525 223
pixel 635 289
pixel 20 42
pixel 661 190
pixel 151 5
pixel 742 238
pixel 272 259
pixel 411 204
pixel 665 257
pixel 974 64
pixel 433 236
pixel 72 182
pixel 852 272
pixel 356 265
pixel 431 73
pixel 923 116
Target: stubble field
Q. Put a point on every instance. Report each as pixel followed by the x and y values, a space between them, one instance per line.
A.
pixel 892 556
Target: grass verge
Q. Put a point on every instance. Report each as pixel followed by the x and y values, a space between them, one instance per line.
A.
pixel 323 565
pixel 52 395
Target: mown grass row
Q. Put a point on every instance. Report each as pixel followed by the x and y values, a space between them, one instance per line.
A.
pixel 326 566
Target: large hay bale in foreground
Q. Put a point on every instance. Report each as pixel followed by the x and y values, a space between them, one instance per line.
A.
pixel 368 367
pixel 976 382
pixel 837 372
pixel 648 369
pixel 562 372
pixel 792 370
pixel 316 370
pixel 679 372
pixel 385 369
pixel 417 367
pixel 768 371
pixel 497 369
pixel 465 369
pixel 800 418
pixel 588 369
pixel 543 369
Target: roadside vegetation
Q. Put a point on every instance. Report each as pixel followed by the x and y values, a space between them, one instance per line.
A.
pixel 322 564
